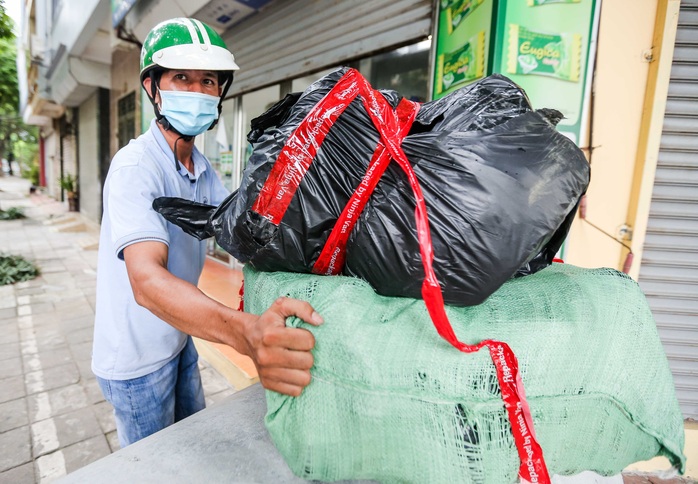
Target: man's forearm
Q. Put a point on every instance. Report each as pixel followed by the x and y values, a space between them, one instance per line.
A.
pixel 185 307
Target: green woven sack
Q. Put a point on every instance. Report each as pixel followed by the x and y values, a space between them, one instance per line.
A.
pixel 391 401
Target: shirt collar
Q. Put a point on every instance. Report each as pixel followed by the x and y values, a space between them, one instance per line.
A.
pixel 197 157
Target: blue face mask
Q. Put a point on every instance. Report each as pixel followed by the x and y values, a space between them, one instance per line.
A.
pixel 190 113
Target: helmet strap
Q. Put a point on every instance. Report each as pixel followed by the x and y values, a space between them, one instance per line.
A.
pixel 226 86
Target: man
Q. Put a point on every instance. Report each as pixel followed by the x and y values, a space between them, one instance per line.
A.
pixel 148 305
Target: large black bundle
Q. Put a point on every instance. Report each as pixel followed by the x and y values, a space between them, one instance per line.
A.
pixel 500 184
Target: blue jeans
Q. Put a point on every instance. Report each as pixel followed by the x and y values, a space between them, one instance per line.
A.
pixel 145 405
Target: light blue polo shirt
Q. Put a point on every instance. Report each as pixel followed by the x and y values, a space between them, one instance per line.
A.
pixel 129 340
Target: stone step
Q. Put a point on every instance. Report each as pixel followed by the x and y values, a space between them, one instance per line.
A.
pixel 62 219
pixel 75 226
pixel 236 368
pixel 90 242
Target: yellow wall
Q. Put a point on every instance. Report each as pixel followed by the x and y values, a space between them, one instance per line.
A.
pixel 625 43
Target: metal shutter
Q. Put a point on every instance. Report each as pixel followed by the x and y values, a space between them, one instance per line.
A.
pixel 295 37
pixel 669 270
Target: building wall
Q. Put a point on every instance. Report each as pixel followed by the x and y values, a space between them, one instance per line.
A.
pixel 90 187
pixel 625 39
pixel 51 160
pixel 69 21
pixel 124 75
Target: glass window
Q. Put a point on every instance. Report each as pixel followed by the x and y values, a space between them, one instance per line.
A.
pixel 254 104
pixel 405 70
pixel 301 83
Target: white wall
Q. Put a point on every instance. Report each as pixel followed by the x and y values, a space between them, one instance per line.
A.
pixel 88 141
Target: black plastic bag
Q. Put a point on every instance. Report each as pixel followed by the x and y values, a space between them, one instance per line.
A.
pixel 500 184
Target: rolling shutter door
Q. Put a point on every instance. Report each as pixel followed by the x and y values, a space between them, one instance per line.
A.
pixel 669 269
pixel 292 38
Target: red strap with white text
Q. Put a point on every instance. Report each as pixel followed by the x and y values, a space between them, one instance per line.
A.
pixel 284 179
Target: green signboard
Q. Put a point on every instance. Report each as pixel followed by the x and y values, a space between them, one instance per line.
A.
pixel 463 37
pixel 545 46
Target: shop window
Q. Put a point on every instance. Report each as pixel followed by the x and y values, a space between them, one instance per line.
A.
pixel 302 83
pixel 405 70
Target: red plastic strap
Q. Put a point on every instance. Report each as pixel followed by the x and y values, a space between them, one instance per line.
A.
pixel 283 182
pixel 331 260
pixel 241 293
pixel 300 149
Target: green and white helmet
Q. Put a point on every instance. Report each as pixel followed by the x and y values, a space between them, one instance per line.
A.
pixel 185 43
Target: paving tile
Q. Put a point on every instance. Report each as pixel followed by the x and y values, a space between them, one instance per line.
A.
pixel 56 402
pixel 53 278
pixel 13 414
pixel 50 378
pixel 63 285
pixel 105 416
pixel 32 321
pixel 77 323
pixel 92 300
pixel 214 398
pixel 47 359
pixel 29 291
pixel 113 439
pixel 9 351
pixel 11 367
pixel 43 340
pixel 82 351
pixel 8 313
pixel 50 467
pixel 9 301
pixel 47 268
pixel 38 308
pixel 92 390
pixel 213 382
pixel 8 325
pixel 85 369
pixel 81 335
pixel 31 283
pixel 9 337
pixel 23 474
pixel 82 453
pixel 71 309
pixel 55 297
pixel 15 448
pixel 64 430
pixel 12 388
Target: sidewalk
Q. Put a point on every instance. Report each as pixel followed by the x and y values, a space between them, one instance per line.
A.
pixel 53 417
